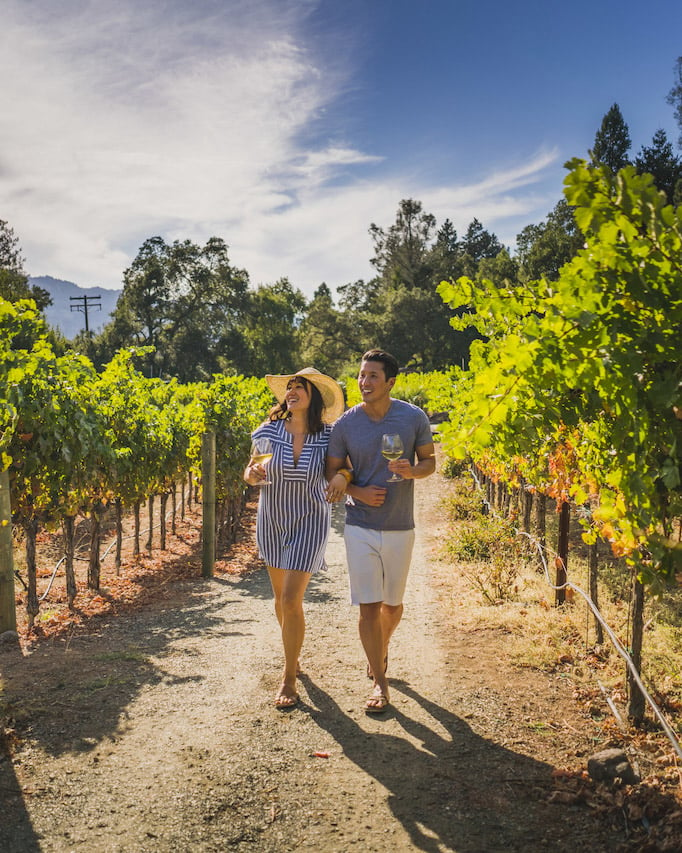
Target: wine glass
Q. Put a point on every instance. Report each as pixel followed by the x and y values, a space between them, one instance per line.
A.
pixel 392 448
pixel 261 454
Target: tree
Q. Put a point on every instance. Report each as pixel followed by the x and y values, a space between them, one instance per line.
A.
pixel 143 307
pixel 500 269
pixel 358 296
pixel 445 254
pixel 675 97
pixel 326 338
pixel 542 250
pixel 415 326
pixel 479 243
pixel 10 253
pixel 401 253
pixel 612 142
pixel 400 309
pixel 184 301
pixel 270 343
pixel 660 162
pixel 13 280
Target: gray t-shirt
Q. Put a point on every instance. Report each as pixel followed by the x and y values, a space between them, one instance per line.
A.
pixel 358 437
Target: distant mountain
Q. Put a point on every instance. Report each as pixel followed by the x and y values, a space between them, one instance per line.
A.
pixel 68 315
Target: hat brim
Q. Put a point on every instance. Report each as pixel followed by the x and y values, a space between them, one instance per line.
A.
pixel 332 394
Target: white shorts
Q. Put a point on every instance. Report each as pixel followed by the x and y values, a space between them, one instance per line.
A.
pixel 378 563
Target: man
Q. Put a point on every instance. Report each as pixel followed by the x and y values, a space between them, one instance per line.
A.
pixel 379 531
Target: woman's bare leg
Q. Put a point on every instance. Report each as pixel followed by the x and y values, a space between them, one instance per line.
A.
pixel 289 588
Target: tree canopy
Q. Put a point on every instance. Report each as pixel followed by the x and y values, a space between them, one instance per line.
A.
pixel 543 249
pixel 186 303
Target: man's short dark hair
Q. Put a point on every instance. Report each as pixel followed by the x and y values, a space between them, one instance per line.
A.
pixel 388 361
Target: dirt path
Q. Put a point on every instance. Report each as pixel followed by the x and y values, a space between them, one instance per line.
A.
pixel 157 732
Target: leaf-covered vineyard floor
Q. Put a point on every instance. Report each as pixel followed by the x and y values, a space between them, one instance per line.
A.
pixel 147 725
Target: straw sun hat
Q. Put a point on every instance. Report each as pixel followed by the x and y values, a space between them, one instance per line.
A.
pixel 332 395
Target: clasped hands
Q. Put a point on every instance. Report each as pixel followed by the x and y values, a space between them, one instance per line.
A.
pixel 336 488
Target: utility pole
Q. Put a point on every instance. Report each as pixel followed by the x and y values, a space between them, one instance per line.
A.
pixel 82 303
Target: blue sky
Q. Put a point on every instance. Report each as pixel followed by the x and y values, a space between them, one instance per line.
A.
pixel 287 127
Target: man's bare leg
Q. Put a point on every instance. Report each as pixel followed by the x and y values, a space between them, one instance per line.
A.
pixel 372 639
pixel 390 619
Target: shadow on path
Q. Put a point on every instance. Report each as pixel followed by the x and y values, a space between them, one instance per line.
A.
pixel 447 786
pixel 23 835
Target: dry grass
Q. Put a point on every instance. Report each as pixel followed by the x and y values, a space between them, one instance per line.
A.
pixel 499 587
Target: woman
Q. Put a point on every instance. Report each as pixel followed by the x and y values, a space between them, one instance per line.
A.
pixel 294 515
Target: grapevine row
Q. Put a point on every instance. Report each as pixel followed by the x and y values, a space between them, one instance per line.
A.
pixel 575 389
pixel 77 442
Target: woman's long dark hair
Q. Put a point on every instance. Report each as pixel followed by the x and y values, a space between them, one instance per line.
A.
pixel 315 409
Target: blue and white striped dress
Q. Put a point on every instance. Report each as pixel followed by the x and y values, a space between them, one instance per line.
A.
pixel 293 521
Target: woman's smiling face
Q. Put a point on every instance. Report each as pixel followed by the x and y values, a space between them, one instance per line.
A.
pixel 297 397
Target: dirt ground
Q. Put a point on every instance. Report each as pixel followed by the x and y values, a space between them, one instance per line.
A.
pixel 154 729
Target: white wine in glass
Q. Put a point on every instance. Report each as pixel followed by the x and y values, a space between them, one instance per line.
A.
pixel 261 454
pixel 392 448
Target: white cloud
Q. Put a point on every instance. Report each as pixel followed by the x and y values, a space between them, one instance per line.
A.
pixel 326 236
pixel 123 121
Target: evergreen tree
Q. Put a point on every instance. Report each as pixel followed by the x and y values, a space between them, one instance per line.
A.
pixel 612 141
pixel 479 243
pixel 445 255
pixel 401 310
pixel 660 162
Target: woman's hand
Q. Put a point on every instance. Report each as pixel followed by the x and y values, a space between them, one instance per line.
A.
pixel 254 474
pixel 336 488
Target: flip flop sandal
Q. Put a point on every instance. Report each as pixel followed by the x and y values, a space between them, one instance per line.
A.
pixel 286 703
pixel 380 703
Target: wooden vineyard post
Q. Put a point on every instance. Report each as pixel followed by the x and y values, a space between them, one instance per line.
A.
pixel 8 612
pixel 208 503
pixel 526 507
pixel 636 700
pixel 562 552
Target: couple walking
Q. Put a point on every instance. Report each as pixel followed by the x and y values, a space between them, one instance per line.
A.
pixel 322 454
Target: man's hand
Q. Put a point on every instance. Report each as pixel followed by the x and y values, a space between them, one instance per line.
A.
pixel 426 464
pixel 370 495
pixel 402 468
